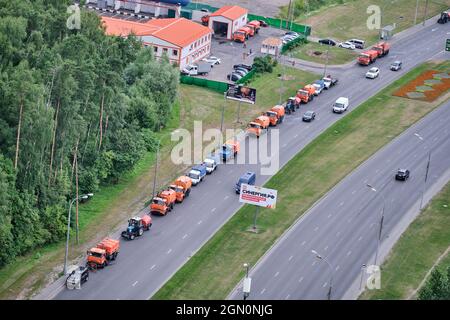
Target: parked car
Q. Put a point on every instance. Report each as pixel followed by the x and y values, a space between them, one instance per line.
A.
pixel 319 85
pixel 212 60
pixel 241 69
pixel 240 72
pixel 309 116
pixel 263 23
pixel 402 174
pixel 234 77
pixel 291 33
pixel 396 65
pixel 359 44
pixel 340 105
pixel 347 45
pixel 246 178
pixel 373 73
pixel 243 66
pixel 328 42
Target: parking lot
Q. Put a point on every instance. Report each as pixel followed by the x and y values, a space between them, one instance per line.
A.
pixel 231 53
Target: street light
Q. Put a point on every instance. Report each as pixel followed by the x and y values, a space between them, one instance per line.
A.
pixel 428 167
pixel 320 257
pixel 381 222
pixel 83 197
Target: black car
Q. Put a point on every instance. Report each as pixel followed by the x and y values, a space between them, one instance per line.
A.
pixel 396 65
pixel 263 23
pixel 243 66
pixel 402 174
pixel 309 116
pixel 328 42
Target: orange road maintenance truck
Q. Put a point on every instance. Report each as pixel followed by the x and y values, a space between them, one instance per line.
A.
pixel 304 96
pixel 242 34
pixel 273 117
pixel 182 187
pixel 382 48
pixel 280 111
pixel 367 57
pixel 101 255
pixel 311 89
pixel 256 25
pixel 163 202
pixel 258 126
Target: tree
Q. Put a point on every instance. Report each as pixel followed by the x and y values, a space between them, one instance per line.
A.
pixel 437 286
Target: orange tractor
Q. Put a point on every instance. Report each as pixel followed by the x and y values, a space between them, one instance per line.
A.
pixel 182 187
pixel 163 202
pixel 101 255
pixel 258 126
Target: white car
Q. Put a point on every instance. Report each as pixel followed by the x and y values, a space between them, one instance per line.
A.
pixel 373 73
pixel 340 105
pixel 212 60
pixel 211 164
pixel 347 45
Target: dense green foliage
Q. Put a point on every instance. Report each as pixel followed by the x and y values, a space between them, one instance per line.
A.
pixel 437 286
pixel 300 7
pixel 264 64
pixel 68 99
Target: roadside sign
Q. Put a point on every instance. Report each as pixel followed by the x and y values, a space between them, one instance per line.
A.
pixel 258 196
pixel 241 93
pixel 447 45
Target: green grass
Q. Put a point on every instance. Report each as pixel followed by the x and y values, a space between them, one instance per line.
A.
pixel 107 209
pixel 217 267
pixel 348 20
pixel 416 251
pixel 316 52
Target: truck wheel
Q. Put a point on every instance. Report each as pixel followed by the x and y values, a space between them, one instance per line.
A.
pixel 131 236
pixel 149 226
pixel 141 232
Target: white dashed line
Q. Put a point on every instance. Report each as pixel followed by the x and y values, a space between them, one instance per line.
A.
pixel 170 250
pixel 338 234
pixel 200 222
pixel 326 248
pixel 314 263
pixel 316 228
pixel 134 283
pixel 276 274
pixel 349 253
pixel 324 285
pixel 354 191
pixel 329 216
pixel 262 291
pixel 184 237
pixel 213 209
pixel 337 268
pixel 360 238
pixel 287 297
pixel 303 243
pixel 226 197
pixel 284 145
pixel 296 136
pixel 300 280
pixel 153 267
pixel 290 258
pixel 341 204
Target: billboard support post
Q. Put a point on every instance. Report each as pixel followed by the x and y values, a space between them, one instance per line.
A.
pixel 255 229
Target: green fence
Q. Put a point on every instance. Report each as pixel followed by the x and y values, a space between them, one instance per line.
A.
pixel 294 43
pixel 282 24
pixel 247 77
pixel 218 86
pixel 200 6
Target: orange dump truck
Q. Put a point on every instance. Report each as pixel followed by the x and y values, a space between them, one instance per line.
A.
pixel 101 255
pixel 304 96
pixel 242 34
pixel 258 126
pixel 280 111
pixel 367 57
pixel 182 187
pixel 256 25
pixel 382 48
pixel 311 89
pixel 163 202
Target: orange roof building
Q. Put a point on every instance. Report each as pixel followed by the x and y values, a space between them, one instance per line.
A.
pixel 228 19
pixel 184 41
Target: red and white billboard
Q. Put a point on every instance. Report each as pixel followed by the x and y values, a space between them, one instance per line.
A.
pixel 258 196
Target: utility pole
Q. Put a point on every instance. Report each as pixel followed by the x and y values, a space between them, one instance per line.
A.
pixel 326 65
pixel 156 170
pixel 223 111
pixel 415 15
pixel 425 13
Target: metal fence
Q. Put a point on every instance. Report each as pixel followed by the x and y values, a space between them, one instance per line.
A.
pixel 247 77
pixel 282 24
pixel 294 43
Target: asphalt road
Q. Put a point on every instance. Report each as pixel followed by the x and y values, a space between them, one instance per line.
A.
pixel 344 225
pixel 145 264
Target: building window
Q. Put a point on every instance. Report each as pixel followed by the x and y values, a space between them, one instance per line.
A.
pixel 175 52
pixel 155 49
pixel 165 50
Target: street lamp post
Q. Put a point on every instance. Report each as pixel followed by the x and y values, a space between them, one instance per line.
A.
pixel 320 257
pixel 84 197
pixel 381 222
pixel 427 170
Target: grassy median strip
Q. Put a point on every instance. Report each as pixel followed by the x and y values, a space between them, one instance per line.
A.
pixel 217 267
pixel 425 240
pixel 316 52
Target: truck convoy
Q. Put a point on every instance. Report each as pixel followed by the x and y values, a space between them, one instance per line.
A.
pixel 101 255
pixel 137 226
pixel 377 51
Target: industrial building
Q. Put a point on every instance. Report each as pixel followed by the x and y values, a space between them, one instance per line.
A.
pixel 228 19
pixel 183 41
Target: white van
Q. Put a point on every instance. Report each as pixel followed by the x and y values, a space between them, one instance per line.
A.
pixel 340 105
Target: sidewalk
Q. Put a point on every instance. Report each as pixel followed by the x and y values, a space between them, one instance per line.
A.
pixel 313 66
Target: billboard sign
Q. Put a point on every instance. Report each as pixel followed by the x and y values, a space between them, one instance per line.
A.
pixel 258 196
pixel 241 93
pixel 447 45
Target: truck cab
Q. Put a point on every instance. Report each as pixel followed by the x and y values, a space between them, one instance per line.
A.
pixel 105 251
pixel 186 183
pixel 197 69
pixel 273 117
pixel 279 110
pixel 229 150
pixel 179 192
pixel 304 95
pixel 256 24
pixel 247 178
pixel 241 35
pixel 319 85
pixel 197 174
pixel 159 206
pixel 211 164
pixel 368 57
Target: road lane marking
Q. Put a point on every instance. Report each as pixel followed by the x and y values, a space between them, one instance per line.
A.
pixel 153 267
pixel 300 280
pixel 226 197
pixel 330 215
pixel 338 234
pixel 290 258
pixel 170 250
pixel 184 237
pixel 303 243
pixel 324 285
pixel 360 238
pixel 337 268
pixel 284 145
pixel 276 274
pixel 326 248
pixel 262 291
pixel 296 136
pixel 199 222
pixel 134 283
pixel 341 204
pixel 354 191
pixel 314 263
pixel 349 253
pixel 287 297
pixel 316 228
pixel 213 209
